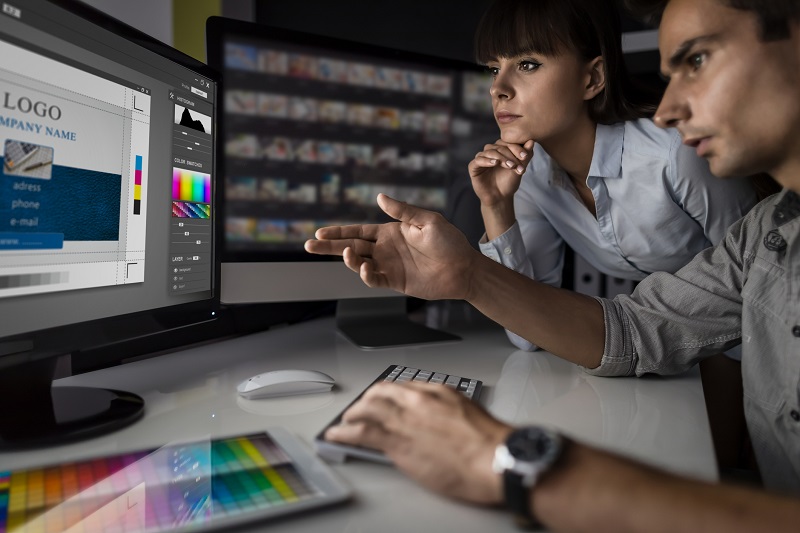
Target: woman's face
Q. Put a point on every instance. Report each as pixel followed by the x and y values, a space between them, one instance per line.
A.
pixel 538 97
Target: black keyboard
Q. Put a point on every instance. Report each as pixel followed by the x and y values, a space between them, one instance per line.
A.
pixel 334 451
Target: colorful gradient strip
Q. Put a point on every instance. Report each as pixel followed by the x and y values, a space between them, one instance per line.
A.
pixel 246 473
pixel 191 186
pixel 137 186
pixel 187 210
pixel 5 483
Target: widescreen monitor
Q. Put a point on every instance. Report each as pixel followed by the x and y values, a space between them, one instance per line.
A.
pixel 106 207
pixel 312 129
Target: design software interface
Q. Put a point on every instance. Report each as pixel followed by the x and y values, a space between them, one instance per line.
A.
pixel 105 168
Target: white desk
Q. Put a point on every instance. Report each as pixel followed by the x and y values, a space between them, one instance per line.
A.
pixel 192 393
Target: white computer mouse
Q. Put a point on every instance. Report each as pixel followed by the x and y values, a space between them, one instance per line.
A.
pixel 285 383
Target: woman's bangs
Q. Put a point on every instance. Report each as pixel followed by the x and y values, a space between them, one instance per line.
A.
pixel 521 32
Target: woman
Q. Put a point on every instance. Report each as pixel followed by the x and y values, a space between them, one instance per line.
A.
pixel 579 162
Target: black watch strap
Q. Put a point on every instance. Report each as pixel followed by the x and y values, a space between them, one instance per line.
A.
pixel 518 499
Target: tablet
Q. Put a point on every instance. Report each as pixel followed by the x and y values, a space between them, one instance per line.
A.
pixel 193 486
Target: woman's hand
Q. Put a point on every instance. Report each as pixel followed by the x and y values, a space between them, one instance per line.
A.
pixel 496 173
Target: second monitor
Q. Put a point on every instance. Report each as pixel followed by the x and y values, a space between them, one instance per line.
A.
pixel 313 129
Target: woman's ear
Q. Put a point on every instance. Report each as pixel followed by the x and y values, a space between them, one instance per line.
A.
pixel 595 78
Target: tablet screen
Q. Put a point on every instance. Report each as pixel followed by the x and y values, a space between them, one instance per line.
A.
pixel 188 485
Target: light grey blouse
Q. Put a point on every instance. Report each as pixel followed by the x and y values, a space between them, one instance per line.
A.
pixel 657 204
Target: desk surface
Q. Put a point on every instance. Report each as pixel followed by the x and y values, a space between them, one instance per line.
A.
pixel 192 393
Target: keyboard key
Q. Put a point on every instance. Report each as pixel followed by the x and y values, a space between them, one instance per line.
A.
pixel 439 378
pixel 394 373
pixel 452 381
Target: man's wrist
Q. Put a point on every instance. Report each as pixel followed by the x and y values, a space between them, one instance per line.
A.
pixel 523 459
pixel 476 276
pixel 542 497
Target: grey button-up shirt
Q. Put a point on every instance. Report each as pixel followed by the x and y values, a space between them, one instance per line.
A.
pixel 746 289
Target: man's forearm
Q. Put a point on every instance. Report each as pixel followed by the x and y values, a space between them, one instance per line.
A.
pixel 565 323
pixel 592 490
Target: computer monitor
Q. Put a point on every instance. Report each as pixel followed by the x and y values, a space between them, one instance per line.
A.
pixel 312 129
pixel 106 207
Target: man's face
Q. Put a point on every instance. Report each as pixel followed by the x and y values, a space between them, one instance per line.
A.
pixel 732 96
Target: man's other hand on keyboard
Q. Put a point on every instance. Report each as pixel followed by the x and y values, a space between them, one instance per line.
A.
pixel 432 433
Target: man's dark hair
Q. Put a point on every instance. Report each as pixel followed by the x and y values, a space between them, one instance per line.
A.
pixel 774 16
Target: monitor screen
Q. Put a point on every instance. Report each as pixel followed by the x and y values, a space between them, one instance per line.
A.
pixel 106 190
pixel 313 128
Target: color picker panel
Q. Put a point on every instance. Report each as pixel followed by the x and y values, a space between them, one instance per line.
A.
pixel 191 186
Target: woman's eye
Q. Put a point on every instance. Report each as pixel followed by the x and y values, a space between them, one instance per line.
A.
pixel 527 66
pixel 493 71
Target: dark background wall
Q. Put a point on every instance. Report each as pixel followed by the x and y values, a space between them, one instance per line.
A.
pixel 439 27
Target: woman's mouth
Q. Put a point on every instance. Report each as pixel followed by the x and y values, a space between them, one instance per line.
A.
pixel 504 117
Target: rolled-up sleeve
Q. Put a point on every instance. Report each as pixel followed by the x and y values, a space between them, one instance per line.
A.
pixel 672 321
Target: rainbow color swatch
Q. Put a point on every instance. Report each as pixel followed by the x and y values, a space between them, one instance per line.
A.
pixel 189 210
pixel 157 490
pixel 191 186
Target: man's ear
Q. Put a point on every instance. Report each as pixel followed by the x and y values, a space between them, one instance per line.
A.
pixel 595 78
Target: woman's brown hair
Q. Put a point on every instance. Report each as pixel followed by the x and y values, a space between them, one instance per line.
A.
pixel 590 28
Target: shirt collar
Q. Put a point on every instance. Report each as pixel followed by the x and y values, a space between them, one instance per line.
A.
pixel 786 209
pixel 607 156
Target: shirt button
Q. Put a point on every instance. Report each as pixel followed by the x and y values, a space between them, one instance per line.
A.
pixel 796 331
pixel 507 251
pixel 795 415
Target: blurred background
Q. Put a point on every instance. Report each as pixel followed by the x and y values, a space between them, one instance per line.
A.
pixel 425 26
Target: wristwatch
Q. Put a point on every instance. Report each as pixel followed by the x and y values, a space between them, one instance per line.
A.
pixel 526 454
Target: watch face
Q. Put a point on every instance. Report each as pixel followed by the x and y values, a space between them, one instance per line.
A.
pixel 531 444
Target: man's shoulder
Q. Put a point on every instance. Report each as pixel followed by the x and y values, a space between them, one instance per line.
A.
pixel 759 220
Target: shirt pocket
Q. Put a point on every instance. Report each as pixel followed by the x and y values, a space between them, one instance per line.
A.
pixel 764 326
pixel 765 288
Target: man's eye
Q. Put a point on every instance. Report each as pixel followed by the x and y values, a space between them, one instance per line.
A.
pixel 696 60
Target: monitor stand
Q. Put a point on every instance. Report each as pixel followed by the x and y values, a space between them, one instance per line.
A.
pixel 372 323
pixel 34 413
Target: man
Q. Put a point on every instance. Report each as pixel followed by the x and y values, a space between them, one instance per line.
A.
pixel 734 94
